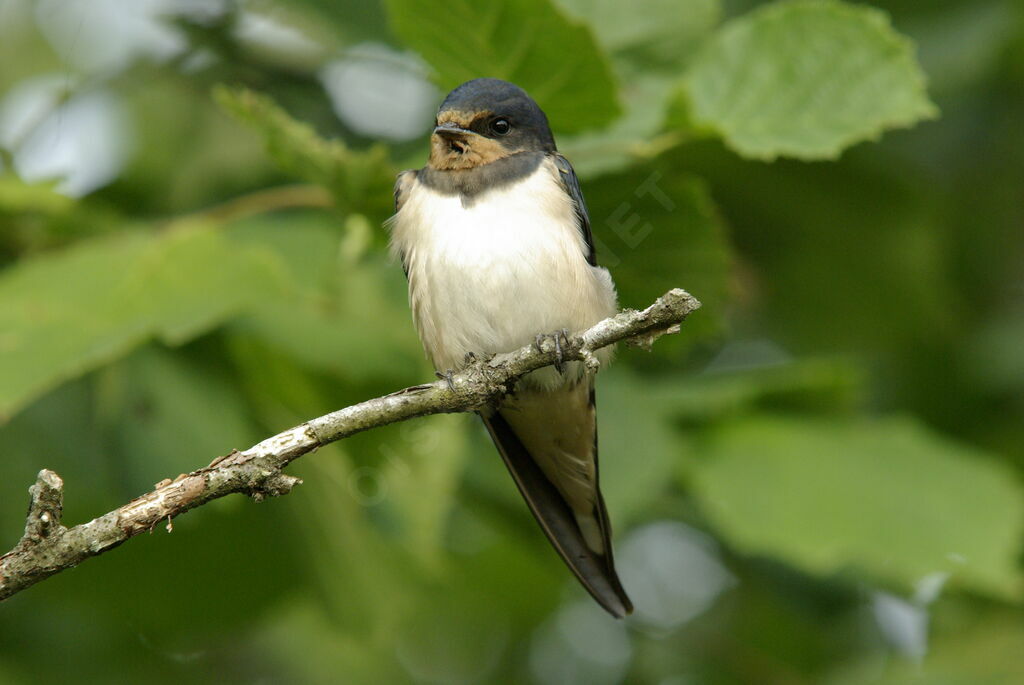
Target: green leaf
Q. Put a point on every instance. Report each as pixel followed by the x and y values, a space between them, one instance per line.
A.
pixel 315 648
pixel 634 472
pixel 149 397
pixel 17 197
pixel 628 405
pixel 637 136
pixel 359 180
pixel 805 79
pixel 655 232
pixel 983 650
pixel 886 497
pixel 66 312
pixel 419 470
pixel 529 42
pixel 346 315
pixel 649 42
pixel 649 32
pixel 819 385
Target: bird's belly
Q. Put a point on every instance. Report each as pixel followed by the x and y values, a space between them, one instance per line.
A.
pixel 489 277
pixel 492 294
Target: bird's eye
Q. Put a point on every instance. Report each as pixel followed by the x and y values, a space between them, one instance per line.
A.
pixel 501 126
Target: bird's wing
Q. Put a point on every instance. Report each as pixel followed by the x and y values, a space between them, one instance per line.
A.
pixel 571 184
pixel 548 441
pixel 402 186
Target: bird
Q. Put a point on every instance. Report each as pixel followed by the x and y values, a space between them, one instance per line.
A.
pixel 495 241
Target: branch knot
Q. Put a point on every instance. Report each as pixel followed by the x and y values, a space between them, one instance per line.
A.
pixel 45 509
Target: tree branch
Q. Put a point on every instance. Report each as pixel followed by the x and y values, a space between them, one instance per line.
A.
pixel 47 547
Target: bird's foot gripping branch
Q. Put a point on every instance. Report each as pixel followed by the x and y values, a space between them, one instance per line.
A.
pixel 47 547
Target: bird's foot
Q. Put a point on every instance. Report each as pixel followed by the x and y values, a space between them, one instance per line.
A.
pixel 558 338
pixel 448 376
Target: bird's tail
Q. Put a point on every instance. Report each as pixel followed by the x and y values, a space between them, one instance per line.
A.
pixel 595 571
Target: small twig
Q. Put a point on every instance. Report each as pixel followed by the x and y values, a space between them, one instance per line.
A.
pixel 48 548
pixel 259 202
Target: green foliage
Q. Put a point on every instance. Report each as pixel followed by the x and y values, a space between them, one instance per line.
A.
pixel 69 312
pixel 840 422
pixel 649 44
pixel 338 294
pixel 16 197
pixel 806 79
pixel 657 33
pixel 146 400
pixel 655 229
pixel 358 181
pixel 829 496
pixel 528 42
pixel 986 652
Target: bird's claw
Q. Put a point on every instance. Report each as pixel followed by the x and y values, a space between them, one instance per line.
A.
pixel 448 376
pixel 558 338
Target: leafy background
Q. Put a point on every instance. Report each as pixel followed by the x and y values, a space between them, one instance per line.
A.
pixel 818 481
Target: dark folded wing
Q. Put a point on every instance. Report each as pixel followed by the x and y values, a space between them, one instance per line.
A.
pixel 572 187
pixel 595 571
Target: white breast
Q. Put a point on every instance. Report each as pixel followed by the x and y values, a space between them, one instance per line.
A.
pixel 490 276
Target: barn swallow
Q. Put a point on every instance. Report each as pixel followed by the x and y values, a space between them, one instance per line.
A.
pixel 495 241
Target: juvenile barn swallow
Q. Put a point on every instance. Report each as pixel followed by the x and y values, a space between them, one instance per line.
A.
pixel 495 241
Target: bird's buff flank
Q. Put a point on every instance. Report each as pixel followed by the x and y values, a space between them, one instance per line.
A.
pixel 495 240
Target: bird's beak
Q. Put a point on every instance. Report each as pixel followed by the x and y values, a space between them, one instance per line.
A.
pixel 450 130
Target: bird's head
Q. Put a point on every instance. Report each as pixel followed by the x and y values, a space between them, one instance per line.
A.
pixel 485 120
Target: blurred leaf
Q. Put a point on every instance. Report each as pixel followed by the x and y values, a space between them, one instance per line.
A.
pixel 340 305
pixel 847 257
pixel 315 649
pixel 528 42
pixel 154 397
pixel 354 22
pixel 34 217
pixel 421 470
pixel 814 385
pixel 195 154
pixel 364 579
pixel 633 137
pixel 66 312
pixel 654 33
pixel 978 652
pixel 455 636
pixel 649 44
pixel 635 472
pixel 960 44
pixel 360 181
pixel 994 355
pixel 806 79
pixel 18 197
pixel 639 446
pixel 655 232
pixel 327 336
pixel 885 497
